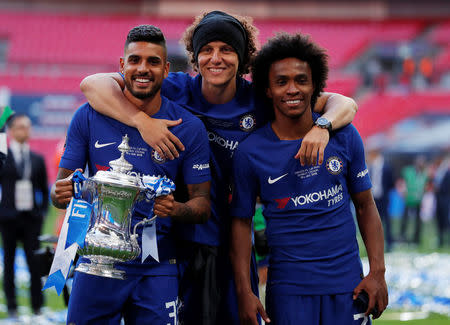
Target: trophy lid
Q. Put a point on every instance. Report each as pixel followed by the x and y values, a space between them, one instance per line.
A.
pixel 118 175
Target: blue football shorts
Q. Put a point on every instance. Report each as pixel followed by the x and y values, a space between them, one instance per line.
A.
pixel 138 299
pixel 336 309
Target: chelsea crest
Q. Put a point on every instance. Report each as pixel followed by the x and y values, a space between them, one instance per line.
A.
pixel 247 123
pixel 157 158
pixel 334 165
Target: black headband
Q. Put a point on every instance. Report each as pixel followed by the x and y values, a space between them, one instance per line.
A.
pixel 219 26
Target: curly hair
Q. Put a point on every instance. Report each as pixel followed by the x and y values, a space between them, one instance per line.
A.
pixel 252 42
pixel 283 46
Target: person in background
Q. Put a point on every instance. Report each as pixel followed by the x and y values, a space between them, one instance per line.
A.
pixel 415 178
pixel 23 206
pixel 5 114
pixel 408 72
pixel 382 177
pixel 261 247
pixel 426 70
pixel 441 183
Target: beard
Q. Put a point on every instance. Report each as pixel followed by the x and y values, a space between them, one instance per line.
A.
pixel 144 94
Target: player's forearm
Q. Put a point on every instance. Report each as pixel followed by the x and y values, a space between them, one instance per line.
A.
pixel 338 109
pixel 372 234
pixel 240 251
pixel 196 210
pixel 104 93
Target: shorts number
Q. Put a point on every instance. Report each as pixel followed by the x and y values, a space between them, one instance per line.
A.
pixel 172 306
pixel 362 315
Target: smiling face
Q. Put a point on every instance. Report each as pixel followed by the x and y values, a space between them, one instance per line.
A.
pixel 290 87
pixel 144 67
pixel 218 64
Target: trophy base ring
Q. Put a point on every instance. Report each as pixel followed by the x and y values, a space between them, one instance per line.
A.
pixel 103 270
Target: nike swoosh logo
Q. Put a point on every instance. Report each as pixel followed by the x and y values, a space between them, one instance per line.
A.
pixel 271 181
pixel 101 145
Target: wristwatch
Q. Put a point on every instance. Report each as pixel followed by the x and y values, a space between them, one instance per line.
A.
pixel 323 123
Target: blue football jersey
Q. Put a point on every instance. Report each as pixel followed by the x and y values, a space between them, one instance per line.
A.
pixel 310 225
pixel 93 138
pixel 227 125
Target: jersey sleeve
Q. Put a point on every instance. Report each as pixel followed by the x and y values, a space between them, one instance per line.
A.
pixel 196 167
pixel 76 147
pixel 358 173
pixel 244 186
pixel 175 86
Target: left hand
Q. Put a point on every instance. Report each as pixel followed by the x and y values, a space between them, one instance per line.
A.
pixel 376 288
pixel 164 206
pixel 249 307
pixel 313 146
pixel 157 134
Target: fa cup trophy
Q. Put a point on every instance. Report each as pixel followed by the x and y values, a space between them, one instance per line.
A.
pixel 113 195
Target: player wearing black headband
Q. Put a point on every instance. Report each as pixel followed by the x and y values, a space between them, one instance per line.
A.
pixel 226 103
pixel 219 26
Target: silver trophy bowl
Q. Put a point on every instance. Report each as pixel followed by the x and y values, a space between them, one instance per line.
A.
pixel 109 240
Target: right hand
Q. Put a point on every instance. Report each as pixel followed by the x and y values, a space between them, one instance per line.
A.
pixel 64 190
pixel 164 206
pixel 249 307
pixel 313 145
pixel 156 133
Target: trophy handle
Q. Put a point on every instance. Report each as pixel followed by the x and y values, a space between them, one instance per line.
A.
pixel 144 221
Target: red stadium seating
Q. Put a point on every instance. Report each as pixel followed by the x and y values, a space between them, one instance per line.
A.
pixel 30 84
pixel 441 33
pixel 378 112
pixel 343 40
pixel 98 39
pixel 343 84
pixel 51 53
pixel 45 38
pixel 442 60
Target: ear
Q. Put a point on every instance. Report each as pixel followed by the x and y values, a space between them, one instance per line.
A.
pixel 195 66
pixel 269 93
pixel 121 64
pixel 166 69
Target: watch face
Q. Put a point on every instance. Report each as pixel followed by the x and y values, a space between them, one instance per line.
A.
pixel 322 121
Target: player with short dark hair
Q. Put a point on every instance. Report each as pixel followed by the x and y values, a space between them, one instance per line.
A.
pixel 149 295
pixel 146 33
pixel 314 269
pixel 284 46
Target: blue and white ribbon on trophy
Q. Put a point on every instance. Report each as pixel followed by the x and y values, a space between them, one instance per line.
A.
pixel 155 186
pixel 72 235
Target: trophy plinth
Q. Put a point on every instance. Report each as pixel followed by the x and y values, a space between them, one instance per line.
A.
pixel 113 195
